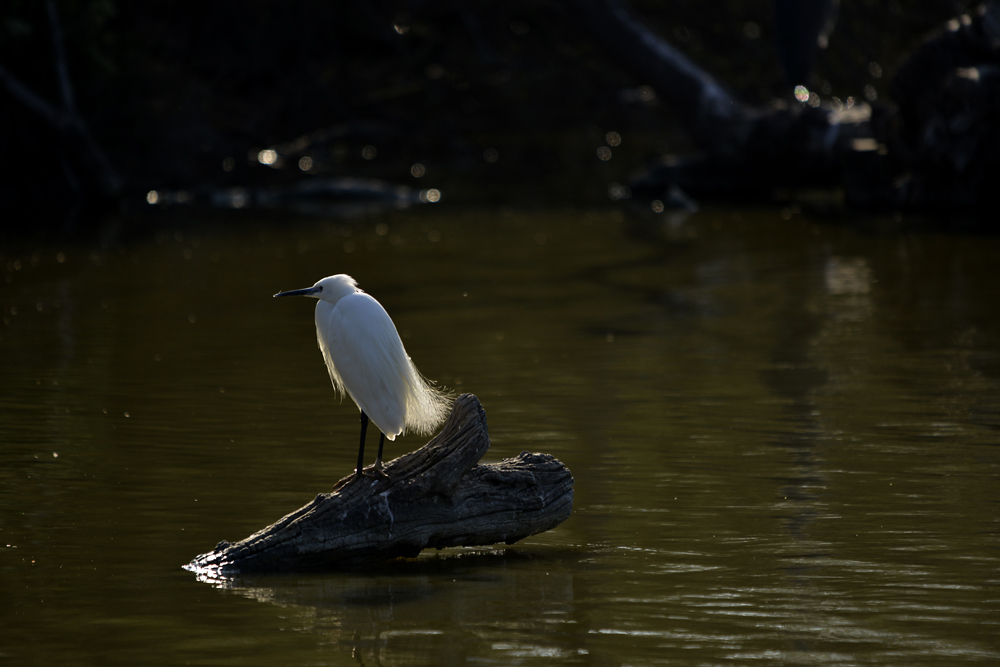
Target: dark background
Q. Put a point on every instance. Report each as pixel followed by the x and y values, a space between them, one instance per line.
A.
pixel 172 89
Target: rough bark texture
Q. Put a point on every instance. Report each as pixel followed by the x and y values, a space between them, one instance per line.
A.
pixel 435 497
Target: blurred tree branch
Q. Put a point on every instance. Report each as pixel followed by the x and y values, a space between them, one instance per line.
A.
pixel 745 149
pixel 718 122
pixel 91 168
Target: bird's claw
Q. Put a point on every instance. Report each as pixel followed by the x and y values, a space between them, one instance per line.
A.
pixel 359 474
pixel 371 472
pixel 374 472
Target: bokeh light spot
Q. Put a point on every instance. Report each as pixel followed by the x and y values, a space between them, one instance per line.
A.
pixel 618 191
pixel 970 73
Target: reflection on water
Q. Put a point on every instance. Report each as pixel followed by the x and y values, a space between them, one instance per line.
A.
pixel 784 438
pixel 408 615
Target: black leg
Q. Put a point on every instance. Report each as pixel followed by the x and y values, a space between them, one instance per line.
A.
pixel 378 459
pixel 361 448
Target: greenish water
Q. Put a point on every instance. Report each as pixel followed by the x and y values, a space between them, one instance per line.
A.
pixel 785 436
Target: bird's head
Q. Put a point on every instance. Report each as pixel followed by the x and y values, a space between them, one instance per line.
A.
pixel 331 288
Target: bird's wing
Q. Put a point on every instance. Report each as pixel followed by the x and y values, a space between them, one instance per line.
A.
pixel 363 350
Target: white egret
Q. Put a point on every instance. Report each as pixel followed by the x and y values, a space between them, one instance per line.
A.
pixel 366 359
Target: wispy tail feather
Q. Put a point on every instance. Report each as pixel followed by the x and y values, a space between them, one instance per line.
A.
pixel 427 405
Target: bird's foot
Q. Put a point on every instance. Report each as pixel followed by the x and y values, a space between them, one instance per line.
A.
pixel 371 472
pixel 375 471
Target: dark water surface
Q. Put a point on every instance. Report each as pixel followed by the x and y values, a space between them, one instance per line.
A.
pixel 785 436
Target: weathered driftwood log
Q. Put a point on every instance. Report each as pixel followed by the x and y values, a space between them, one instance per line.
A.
pixel 435 497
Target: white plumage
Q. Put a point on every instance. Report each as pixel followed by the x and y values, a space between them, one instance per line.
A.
pixel 367 360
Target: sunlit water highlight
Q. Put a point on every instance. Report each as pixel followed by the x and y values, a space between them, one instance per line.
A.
pixel 784 436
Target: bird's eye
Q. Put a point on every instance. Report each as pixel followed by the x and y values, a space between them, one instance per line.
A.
pixel 320 288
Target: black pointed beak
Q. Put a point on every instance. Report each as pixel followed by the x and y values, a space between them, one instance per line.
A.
pixel 307 291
